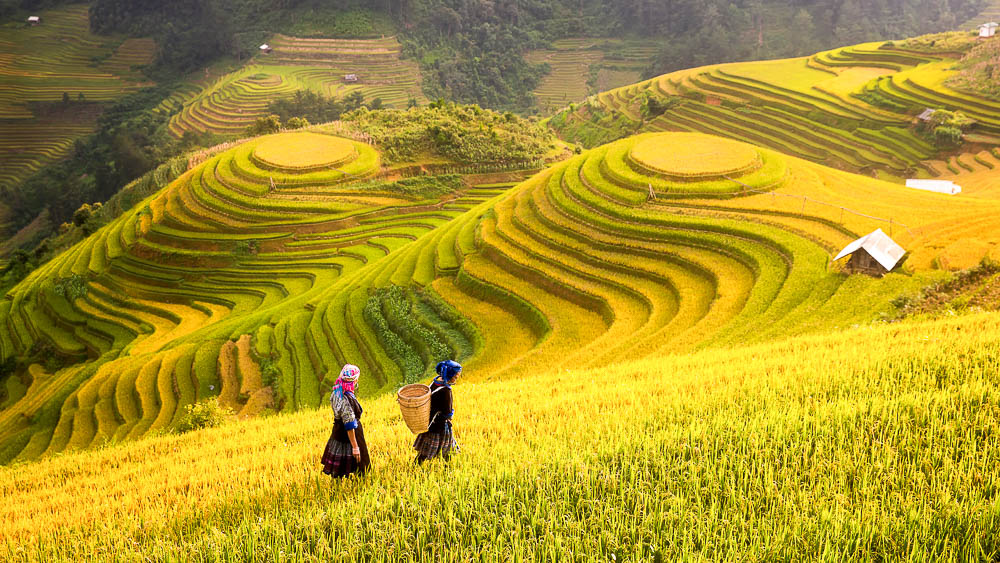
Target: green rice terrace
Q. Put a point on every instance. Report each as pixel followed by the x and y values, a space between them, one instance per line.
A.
pixel 854 108
pixel 51 78
pixel 584 66
pixel 236 99
pixel 254 235
pixel 259 272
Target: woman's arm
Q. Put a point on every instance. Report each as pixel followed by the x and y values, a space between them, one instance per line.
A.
pixel 449 407
pixel 355 450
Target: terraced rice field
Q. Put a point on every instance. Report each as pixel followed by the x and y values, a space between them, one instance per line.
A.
pixel 241 245
pixel 613 62
pixel 130 56
pixel 991 13
pixel 237 99
pixel 38 65
pixel 274 254
pixel 810 107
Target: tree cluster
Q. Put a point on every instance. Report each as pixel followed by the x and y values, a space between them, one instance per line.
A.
pixel 466 134
pixel 701 32
pixel 317 108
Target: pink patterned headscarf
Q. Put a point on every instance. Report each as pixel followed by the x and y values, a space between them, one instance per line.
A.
pixel 347 381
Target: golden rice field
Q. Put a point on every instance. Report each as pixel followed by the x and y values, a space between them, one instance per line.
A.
pixel 852 108
pixel 939 231
pixel 304 151
pixel 870 444
pixel 695 156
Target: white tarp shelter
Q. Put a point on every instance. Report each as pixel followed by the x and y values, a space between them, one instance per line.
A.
pixel 939 186
pixel 265 48
pixel 34 20
pixel 988 29
pixel 878 246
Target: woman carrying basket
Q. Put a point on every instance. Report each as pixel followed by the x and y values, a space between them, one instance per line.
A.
pixel 438 440
pixel 346 451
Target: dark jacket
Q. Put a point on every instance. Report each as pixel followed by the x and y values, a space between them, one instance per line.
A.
pixel 340 431
pixel 441 407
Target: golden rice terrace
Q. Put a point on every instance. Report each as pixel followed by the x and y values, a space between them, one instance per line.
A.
pixel 255 274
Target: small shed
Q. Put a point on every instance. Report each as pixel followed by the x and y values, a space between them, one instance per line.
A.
pixel 34 20
pixel 988 29
pixel 350 78
pixel 926 115
pixel 265 49
pixel 939 186
pixel 874 254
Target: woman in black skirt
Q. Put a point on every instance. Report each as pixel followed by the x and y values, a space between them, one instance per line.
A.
pixel 438 440
pixel 346 451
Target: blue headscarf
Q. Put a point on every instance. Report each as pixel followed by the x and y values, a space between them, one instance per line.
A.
pixel 447 370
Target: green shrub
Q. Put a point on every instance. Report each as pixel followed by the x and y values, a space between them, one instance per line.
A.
pixel 467 134
pixel 72 287
pixel 207 414
pixel 947 136
pixel 247 248
pixel 400 352
pixel 269 371
pixel 417 186
pixel 297 123
pixel 653 106
pixel 264 125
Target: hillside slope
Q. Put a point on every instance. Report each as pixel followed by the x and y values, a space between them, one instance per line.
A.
pixel 238 98
pixel 226 284
pixel 149 314
pixel 853 108
pixel 53 79
pixel 873 444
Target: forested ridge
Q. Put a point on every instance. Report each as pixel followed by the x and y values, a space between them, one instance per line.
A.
pixel 471 50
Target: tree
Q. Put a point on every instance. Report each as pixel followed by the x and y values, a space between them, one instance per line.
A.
pixel 297 123
pixel 265 125
pixel 81 215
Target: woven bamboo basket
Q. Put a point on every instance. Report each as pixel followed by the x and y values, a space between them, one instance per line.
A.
pixel 415 404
